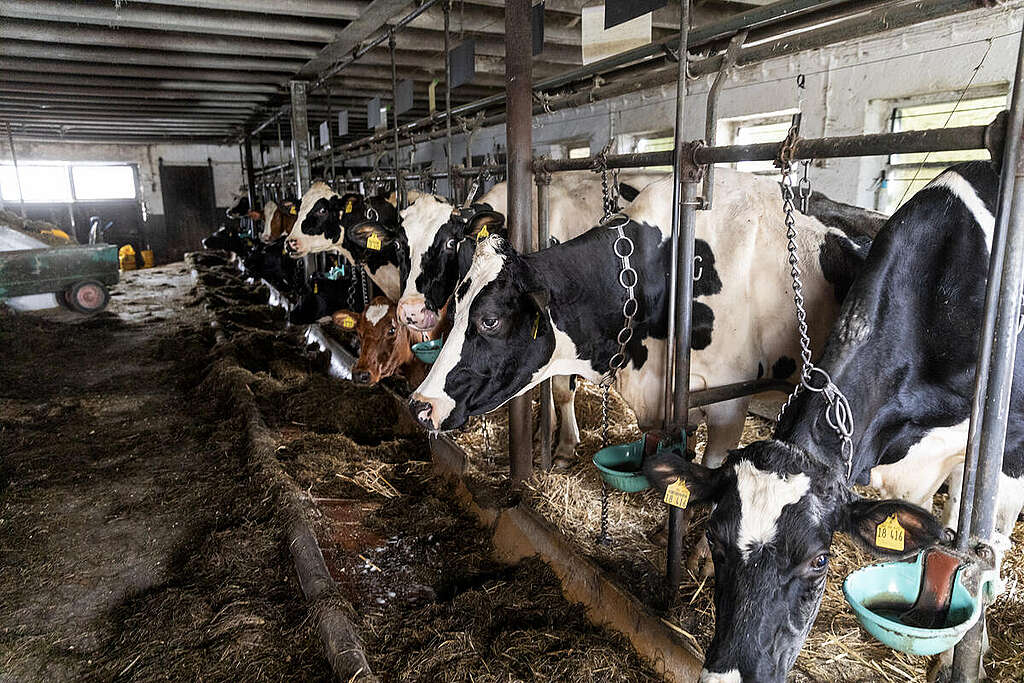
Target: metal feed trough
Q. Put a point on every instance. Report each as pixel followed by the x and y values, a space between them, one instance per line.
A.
pixel 78 275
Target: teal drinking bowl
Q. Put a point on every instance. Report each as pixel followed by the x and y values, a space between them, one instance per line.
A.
pixel 620 466
pixel 879 593
pixel 428 351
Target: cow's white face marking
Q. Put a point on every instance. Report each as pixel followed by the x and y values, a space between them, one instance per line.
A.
pixel 375 312
pixel 763 495
pixel 309 244
pixel 421 220
pixel 487 264
pixel 964 191
pixel 268 216
pixel 727 677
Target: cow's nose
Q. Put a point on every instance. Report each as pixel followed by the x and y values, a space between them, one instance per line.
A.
pixel 292 245
pixel 407 312
pixel 361 377
pixel 423 411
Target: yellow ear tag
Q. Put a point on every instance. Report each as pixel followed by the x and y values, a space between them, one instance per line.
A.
pixel 677 495
pixel 316 288
pixel 373 242
pixel 890 534
pixel 348 206
pixel 536 324
pixel 348 322
pixel 482 234
pixel 293 211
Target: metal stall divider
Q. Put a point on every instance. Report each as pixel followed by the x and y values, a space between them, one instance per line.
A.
pixel 300 152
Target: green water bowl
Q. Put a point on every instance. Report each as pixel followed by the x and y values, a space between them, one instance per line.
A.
pixel 621 466
pixel 881 591
pixel 428 351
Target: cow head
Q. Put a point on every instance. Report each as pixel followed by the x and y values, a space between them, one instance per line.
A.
pixel 318 221
pixel 501 343
pixel 442 241
pixel 239 204
pixel 267 215
pixel 384 345
pixel 776 508
pixel 324 298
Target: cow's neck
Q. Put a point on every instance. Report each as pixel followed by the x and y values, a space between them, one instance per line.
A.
pixel 900 351
pixel 586 300
pixel 386 276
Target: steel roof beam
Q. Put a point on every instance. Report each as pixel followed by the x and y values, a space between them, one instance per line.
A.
pixel 352 36
pixel 129 56
pixel 172 41
pixel 92 98
pixel 51 66
pixel 10 86
pixel 131 15
pixel 144 84
pixel 348 10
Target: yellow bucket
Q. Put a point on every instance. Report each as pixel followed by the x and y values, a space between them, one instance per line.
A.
pixel 147 258
pixel 126 257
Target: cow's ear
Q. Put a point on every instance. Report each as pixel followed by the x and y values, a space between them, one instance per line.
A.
pixel 666 468
pixel 256 215
pixel 540 299
pixel 348 203
pixel 485 223
pixel 890 528
pixel 371 236
pixel 346 320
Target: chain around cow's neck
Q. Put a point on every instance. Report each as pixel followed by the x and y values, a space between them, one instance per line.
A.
pixel 812 378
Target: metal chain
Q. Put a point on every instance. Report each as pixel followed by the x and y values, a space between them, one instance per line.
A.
pixel 837 413
pixel 609 195
pixel 628 279
pixel 363 286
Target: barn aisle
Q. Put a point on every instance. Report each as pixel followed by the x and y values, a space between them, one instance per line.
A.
pixel 131 545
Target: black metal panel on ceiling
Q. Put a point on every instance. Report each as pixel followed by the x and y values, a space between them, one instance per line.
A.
pixel 620 11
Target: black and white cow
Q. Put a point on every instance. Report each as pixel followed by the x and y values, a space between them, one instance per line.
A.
pixel 363 230
pixel 441 247
pixel 325 296
pixel 523 318
pixel 269 262
pixel 903 352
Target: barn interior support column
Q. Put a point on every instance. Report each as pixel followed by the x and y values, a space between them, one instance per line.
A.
pixel 300 152
pixel 300 136
pixel 17 173
pixel 543 236
pixel 250 173
pixel 684 224
pixel 994 376
pixel 448 94
pixel 518 58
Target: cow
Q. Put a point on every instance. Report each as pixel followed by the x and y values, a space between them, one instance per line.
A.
pixel 228 239
pixel 239 204
pixel 269 262
pixel 384 343
pixel 277 219
pixel 441 243
pixel 363 230
pixel 325 296
pixel 903 352
pixel 520 319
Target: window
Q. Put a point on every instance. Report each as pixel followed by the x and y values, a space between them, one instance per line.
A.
pixel 103 182
pixel 52 182
pixel 656 142
pixel 754 129
pixel 908 173
pixel 579 152
pixel 38 183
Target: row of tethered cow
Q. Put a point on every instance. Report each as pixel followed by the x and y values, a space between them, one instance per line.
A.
pixel 897 319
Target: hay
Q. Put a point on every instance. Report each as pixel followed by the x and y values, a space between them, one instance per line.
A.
pixel 837 649
pixel 371 479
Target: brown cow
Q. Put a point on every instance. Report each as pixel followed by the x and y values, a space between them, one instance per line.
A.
pixel 384 344
pixel 277 220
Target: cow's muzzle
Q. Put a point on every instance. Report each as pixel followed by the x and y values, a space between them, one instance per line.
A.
pixel 361 377
pixel 291 247
pixel 424 413
pixel 415 315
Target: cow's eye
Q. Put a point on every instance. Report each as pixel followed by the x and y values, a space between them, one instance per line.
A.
pixel 391 332
pixel 488 324
pixel 322 211
pixel 450 244
pixel 819 563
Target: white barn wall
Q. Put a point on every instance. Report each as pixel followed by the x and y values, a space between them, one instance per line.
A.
pixel 849 91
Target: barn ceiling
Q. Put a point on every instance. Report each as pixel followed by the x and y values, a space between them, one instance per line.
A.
pixel 203 70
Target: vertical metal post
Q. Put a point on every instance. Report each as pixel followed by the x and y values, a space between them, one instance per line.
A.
pixel 399 185
pixel 250 173
pixel 263 175
pixel 300 153
pixel 300 136
pixel 684 223
pixel 280 151
pixel 543 180
pixel 519 133
pixel 448 94
pixel 17 174
pixel 994 375
pixel 330 133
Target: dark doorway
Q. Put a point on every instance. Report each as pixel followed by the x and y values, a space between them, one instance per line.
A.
pixel 189 207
